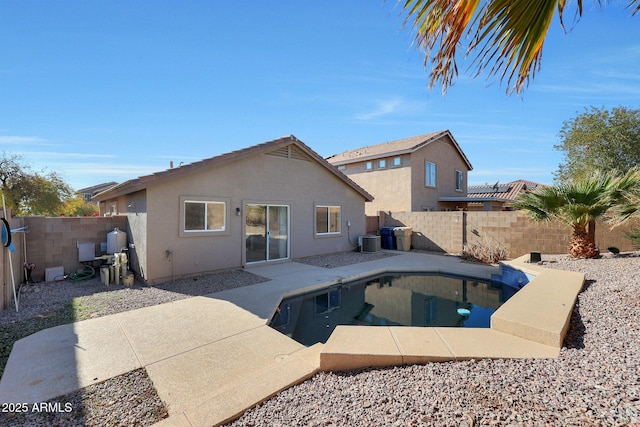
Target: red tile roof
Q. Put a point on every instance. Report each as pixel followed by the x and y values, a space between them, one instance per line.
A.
pixel 508 191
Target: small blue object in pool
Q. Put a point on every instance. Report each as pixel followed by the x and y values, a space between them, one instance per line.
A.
pixel 464 311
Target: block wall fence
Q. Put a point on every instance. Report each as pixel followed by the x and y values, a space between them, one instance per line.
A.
pixel 450 231
pixel 51 242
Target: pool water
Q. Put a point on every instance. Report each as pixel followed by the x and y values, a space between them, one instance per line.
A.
pixel 388 300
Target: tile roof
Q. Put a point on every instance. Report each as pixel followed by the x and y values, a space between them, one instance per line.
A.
pixel 145 181
pixel 400 146
pixel 508 191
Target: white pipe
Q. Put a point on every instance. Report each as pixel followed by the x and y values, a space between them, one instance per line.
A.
pixel 13 279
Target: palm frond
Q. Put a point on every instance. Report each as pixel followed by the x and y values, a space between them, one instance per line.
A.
pixel 581 201
pixel 510 36
pixel 507 36
pixel 440 23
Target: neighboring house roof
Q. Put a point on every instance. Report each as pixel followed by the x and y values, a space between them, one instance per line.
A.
pixel 143 182
pixel 500 192
pixel 97 188
pixel 393 148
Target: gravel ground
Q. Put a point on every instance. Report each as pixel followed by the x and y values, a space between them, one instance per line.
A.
pixel 126 400
pixel 96 299
pixel 594 382
pixel 129 399
pixel 343 258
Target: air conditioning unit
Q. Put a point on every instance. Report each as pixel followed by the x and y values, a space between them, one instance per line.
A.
pixel 369 243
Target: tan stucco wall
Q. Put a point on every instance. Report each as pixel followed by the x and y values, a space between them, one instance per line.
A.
pixel 449 231
pixel 447 160
pixel 259 179
pixel 133 207
pixel 392 188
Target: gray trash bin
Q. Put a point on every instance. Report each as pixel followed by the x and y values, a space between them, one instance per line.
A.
pixel 403 237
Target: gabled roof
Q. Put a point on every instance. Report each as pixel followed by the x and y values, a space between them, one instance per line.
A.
pixel 394 148
pixel 501 192
pixel 145 181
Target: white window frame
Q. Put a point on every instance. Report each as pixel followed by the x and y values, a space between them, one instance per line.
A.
pixel 430 176
pixel 368 166
pixel 333 298
pixel 329 207
pixel 382 164
pixel 224 230
pixel 397 162
pixel 459 180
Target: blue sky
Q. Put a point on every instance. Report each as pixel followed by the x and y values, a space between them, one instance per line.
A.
pixel 110 90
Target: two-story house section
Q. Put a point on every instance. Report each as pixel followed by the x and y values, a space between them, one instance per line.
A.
pixel 421 173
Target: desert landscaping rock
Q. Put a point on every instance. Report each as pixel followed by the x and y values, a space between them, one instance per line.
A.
pixel 595 381
pixel 96 299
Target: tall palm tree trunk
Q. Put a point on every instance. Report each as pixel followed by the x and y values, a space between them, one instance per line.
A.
pixel 582 244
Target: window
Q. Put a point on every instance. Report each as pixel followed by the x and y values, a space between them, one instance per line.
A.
pixel 327 219
pixel 397 161
pixel 430 174
pixel 382 164
pixel 204 216
pixel 342 167
pixel 328 301
pixel 368 166
pixel 459 180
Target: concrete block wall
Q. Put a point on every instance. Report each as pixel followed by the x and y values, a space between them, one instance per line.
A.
pixel 432 231
pixel 450 231
pixel 517 232
pixel 52 241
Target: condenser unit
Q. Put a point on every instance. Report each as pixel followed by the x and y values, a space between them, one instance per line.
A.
pixel 370 243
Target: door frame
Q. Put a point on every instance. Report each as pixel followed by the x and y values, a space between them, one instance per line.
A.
pixel 245 203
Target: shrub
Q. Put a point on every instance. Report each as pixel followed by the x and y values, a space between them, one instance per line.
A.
pixel 486 251
pixel 634 236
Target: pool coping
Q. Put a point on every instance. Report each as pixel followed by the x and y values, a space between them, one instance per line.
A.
pixel 531 324
pixel 209 376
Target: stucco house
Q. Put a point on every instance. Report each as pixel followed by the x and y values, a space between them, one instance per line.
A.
pixel 412 174
pixel 270 202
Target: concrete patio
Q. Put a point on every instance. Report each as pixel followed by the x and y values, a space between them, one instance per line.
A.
pixel 210 358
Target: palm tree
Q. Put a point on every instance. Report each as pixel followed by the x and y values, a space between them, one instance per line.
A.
pixel 579 204
pixel 628 210
pixel 508 35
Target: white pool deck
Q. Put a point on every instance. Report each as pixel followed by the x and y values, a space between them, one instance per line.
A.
pixel 212 357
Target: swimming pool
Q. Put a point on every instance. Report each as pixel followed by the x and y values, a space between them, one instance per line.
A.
pixel 391 299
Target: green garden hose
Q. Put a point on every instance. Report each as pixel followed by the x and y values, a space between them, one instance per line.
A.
pixel 81 276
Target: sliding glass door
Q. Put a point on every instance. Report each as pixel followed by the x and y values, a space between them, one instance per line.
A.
pixel 266 232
